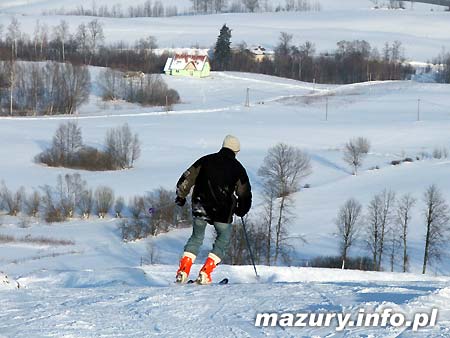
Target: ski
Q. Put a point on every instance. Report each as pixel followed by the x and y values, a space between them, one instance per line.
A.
pixel 222 282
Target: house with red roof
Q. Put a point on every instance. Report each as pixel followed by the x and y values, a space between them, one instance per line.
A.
pixel 188 65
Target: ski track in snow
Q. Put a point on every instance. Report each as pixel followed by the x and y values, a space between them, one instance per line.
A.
pixel 210 311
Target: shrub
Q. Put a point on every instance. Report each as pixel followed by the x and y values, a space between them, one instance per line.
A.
pixel 10 201
pixel 67 150
pixel 104 199
pixel 335 262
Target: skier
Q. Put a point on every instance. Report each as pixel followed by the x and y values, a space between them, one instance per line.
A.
pixel 221 188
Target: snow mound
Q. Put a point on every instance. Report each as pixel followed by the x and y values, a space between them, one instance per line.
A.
pixel 7 283
pixel 88 278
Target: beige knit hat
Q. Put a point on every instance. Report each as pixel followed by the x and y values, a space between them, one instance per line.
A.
pixel 231 142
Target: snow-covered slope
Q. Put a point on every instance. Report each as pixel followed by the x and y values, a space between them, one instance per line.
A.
pixel 294 113
pixel 96 287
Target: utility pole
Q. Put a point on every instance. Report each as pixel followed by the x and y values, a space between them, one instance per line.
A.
pixel 247 99
pixel 418 109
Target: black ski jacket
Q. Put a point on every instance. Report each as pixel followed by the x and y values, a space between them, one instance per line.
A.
pixel 217 179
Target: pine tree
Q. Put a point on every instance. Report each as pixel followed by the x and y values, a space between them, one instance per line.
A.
pixel 222 52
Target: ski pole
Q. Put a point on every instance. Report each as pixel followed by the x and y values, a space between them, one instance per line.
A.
pixel 249 247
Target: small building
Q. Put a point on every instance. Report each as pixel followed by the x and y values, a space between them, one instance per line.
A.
pixel 134 75
pixel 188 65
pixel 259 53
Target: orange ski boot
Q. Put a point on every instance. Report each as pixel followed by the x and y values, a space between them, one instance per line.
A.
pixel 204 277
pixel 185 267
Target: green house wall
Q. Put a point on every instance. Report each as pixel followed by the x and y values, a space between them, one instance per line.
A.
pixel 192 73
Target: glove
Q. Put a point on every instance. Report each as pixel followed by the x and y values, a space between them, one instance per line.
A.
pixel 180 201
pixel 239 211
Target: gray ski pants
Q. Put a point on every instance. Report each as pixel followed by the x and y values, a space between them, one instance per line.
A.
pixel 221 243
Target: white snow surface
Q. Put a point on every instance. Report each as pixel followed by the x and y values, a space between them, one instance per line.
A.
pixel 101 291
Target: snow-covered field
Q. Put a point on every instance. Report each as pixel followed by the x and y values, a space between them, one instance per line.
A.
pixel 96 286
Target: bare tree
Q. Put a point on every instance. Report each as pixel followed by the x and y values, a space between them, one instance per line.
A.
pixel 96 36
pixel 251 5
pixel 373 230
pixel 82 36
pixel 66 143
pixel 70 190
pixel 51 208
pixel 12 83
pixel 269 200
pixel 119 206
pixel 379 219
pixel 394 246
pixel 86 203
pixel 164 211
pixel 283 168
pixel 220 5
pixel 43 39
pixel 13 36
pixel 76 85
pixel 11 201
pixel 387 199
pixel 104 199
pixel 111 83
pixel 135 227
pixel 122 146
pixel 437 218
pixel 32 204
pixel 403 219
pixel 61 33
pixel 348 222
pixel 354 152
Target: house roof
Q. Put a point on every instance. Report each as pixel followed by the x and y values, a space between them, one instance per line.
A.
pixel 181 61
pixel 260 51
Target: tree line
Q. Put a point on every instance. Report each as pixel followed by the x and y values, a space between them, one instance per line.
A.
pixel 71 198
pixel 84 46
pixel 384 228
pixel 157 8
pixel 443 60
pixel 42 89
pixel 352 61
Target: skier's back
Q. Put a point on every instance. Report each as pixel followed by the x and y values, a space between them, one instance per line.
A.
pixel 221 189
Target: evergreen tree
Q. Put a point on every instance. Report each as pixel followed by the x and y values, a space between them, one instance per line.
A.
pixel 222 52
